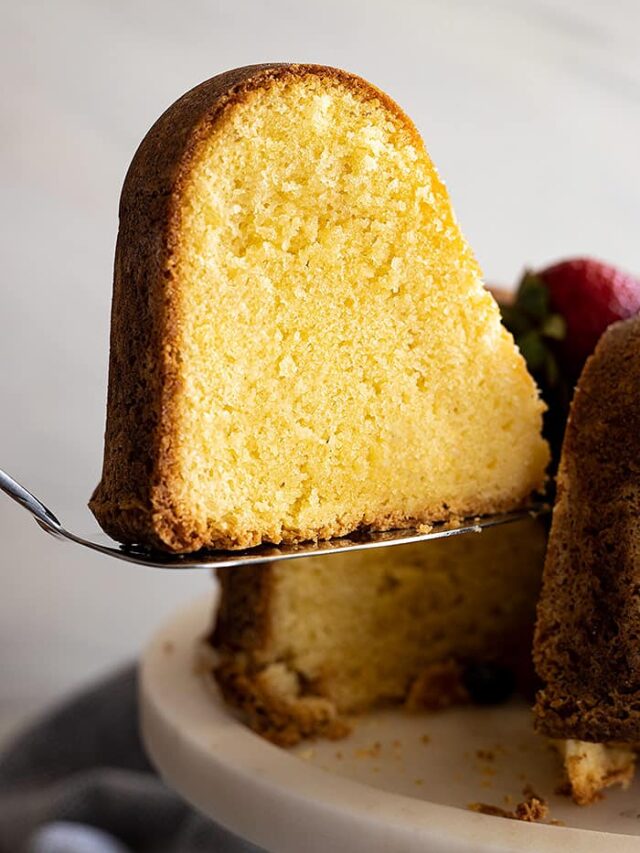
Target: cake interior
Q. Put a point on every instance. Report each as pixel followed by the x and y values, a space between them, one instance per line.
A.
pixel 359 630
pixel 339 361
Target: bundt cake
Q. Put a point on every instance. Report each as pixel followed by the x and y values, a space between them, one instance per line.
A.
pixel 301 343
pixel 301 644
pixel 587 643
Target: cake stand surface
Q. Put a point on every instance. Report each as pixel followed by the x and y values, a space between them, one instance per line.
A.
pixel 398 783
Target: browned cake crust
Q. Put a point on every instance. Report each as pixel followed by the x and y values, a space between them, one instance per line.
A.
pixel 136 499
pixel 132 501
pixel 587 644
pixel 281 719
pixel 240 635
pixel 242 619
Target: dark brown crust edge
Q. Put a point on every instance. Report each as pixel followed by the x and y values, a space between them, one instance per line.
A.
pixel 132 502
pixel 241 635
pixel 242 618
pixel 587 642
pixel 282 721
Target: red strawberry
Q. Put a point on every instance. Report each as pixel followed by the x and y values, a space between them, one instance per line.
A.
pixel 590 295
pixel 557 317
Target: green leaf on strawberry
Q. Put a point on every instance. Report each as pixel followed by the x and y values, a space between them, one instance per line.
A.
pixel 535 328
pixel 558 315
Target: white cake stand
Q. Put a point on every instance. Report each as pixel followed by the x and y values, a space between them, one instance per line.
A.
pixel 399 783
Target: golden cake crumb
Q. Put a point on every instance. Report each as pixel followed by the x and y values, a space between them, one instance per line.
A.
pixel 591 767
pixel 438 686
pixel 301 343
pixel 532 809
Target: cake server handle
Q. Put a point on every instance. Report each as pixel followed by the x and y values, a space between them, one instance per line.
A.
pixel 44 517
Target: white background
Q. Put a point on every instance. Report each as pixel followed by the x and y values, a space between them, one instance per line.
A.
pixel 530 108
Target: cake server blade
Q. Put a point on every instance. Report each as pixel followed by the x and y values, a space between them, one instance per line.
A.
pixel 96 540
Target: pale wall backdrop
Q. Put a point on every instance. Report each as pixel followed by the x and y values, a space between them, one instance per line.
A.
pixel 530 108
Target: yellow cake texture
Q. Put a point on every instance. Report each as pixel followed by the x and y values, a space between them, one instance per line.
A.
pixel 300 645
pixel 591 767
pixel 301 341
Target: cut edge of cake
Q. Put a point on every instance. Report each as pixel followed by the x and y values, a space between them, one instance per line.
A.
pixel 271 701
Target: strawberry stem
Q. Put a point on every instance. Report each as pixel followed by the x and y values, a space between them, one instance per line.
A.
pixel 537 331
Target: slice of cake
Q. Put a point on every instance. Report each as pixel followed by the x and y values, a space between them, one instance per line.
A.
pixel 300 644
pixel 587 646
pixel 301 343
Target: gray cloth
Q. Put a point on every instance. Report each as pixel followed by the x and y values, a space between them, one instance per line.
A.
pixel 78 781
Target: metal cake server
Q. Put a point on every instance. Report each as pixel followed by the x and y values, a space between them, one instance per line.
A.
pixel 98 541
